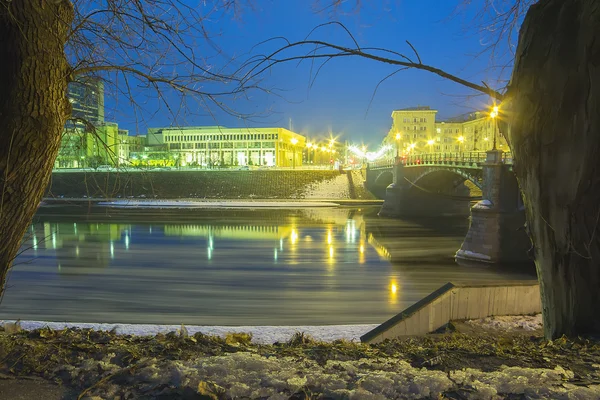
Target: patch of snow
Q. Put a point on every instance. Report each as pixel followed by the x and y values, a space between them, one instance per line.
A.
pixel 212 204
pixel 483 205
pixel 260 334
pixel 510 322
pixel 472 255
pixel 251 376
pixel 335 188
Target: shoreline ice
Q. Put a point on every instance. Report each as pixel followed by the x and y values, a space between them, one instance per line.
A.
pixel 260 334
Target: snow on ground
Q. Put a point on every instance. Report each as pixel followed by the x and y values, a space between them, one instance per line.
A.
pixel 510 323
pixel 260 334
pixel 212 204
pixel 251 376
pixel 472 255
pixel 335 188
pixel 483 205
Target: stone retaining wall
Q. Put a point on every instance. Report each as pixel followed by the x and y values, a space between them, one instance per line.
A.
pixel 268 184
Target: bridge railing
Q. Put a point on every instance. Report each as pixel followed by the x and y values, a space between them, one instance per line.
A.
pixel 382 164
pixel 472 158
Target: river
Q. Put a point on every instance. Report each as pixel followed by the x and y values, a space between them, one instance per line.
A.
pixel 312 266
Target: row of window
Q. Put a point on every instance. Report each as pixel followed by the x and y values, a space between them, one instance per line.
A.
pixel 221 137
pixel 405 120
pixel 415 128
pixel 450 130
pixel 222 145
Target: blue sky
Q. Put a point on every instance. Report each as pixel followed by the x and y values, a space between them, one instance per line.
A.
pixel 339 101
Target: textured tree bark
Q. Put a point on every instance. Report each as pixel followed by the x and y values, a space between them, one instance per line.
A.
pixel 33 110
pixel 554 114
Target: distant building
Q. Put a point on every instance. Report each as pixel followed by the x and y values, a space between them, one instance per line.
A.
pixel 87 99
pixel 88 140
pixel 412 128
pixel 220 146
pixel 415 129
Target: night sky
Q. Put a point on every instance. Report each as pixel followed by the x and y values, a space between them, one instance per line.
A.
pixel 338 101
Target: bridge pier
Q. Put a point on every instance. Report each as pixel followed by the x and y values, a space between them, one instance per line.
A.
pixel 496 232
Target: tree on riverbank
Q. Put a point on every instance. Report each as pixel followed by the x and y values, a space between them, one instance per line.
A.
pixel 551 108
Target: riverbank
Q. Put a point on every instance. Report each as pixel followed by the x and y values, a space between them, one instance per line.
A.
pixel 104 365
pixel 209 203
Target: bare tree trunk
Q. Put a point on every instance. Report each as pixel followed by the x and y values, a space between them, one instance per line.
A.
pixel 33 110
pixel 554 113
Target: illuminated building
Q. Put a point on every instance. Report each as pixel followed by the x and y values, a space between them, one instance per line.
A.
pixel 416 130
pixel 220 146
pixel 412 128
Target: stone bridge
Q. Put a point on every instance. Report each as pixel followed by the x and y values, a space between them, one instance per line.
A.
pixel 437 184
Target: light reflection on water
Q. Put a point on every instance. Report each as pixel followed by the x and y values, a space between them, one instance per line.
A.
pixel 282 267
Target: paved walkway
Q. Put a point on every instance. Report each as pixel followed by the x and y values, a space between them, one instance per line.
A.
pixel 32 389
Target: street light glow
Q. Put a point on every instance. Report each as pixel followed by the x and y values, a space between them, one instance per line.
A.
pixel 430 142
pixel 294 141
pixel 494 112
pixel 398 136
pixel 461 139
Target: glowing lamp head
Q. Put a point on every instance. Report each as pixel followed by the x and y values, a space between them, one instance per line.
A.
pixel 413 145
pixel 294 141
pixel 461 139
pixel 430 142
pixel 397 136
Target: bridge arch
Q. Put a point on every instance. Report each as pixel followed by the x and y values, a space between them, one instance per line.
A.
pixel 437 178
pixel 384 179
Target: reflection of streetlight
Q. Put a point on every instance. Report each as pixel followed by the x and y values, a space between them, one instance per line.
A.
pixel 294 142
pixel 493 115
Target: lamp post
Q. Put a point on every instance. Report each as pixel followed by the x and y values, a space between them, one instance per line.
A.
pixel 398 136
pixel 294 142
pixel 493 115
pixel 430 144
pixel 309 146
pixel 461 139
pixel 364 156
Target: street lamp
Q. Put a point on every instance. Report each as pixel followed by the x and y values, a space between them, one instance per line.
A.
pixel 309 146
pixel 398 136
pixel 294 142
pixel 493 115
pixel 430 143
pixel 461 139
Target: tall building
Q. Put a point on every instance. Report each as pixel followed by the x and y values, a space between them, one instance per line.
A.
pixel 86 95
pixel 91 141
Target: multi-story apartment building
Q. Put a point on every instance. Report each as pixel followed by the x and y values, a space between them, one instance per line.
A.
pixel 221 146
pixel 412 129
pixel 415 130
